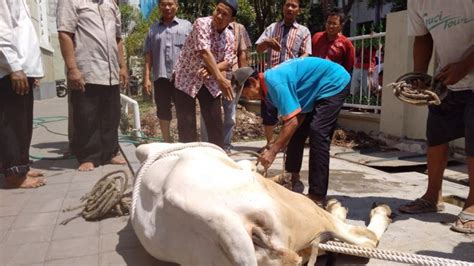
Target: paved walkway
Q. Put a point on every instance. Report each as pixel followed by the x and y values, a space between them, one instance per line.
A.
pixel 30 233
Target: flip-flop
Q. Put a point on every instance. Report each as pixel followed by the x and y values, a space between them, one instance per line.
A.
pixel 463 217
pixel 421 206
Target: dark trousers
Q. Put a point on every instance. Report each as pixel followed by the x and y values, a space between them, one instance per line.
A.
pixel 96 118
pixel 16 128
pixel 319 126
pixel 211 113
pixel 164 92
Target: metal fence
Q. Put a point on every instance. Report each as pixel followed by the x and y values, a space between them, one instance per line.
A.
pixel 367 74
pixel 365 84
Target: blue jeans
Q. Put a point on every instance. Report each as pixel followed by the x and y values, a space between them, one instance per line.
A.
pixel 228 125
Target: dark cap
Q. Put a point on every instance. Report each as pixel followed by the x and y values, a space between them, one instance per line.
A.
pixel 239 77
pixel 232 4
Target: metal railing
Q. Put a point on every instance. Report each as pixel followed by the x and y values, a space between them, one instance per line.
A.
pixel 126 101
pixel 365 87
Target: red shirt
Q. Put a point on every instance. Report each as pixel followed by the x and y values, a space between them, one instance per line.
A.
pixel 339 50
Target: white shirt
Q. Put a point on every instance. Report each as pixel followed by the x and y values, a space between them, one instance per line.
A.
pixel 451 24
pixel 19 46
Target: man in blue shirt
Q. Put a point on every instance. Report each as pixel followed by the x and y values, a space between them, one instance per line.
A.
pixel 308 93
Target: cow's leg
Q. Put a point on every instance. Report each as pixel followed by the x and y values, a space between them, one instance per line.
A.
pixel 335 208
pixel 361 235
pixel 379 220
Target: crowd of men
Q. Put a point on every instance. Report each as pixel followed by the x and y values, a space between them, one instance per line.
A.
pixel 305 87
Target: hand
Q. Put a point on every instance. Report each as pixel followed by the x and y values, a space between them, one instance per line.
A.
pixel 19 82
pixel 147 86
pixel 123 74
pixel 273 43
pixel 267 157
pixel 203 73
pixel 75 80
pixel 452 73
pixel 226 88
pixel 36 84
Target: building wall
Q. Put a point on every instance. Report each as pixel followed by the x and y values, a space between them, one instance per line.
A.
pixel 39 16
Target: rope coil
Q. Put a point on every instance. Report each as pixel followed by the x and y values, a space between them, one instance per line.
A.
pixel 106 198
pixel 418 89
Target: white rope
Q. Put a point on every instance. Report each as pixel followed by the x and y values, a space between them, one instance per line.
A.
pixel 389 255
pixel 172 151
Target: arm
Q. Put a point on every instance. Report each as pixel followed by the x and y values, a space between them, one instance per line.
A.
pixel 146 73
pixel 272 43
pixel 266 41
pixel 123 66
pixel 242 59
pixel 289 128
pixel 8 53
pixel 454 72
pixel 213 70
pixel 349 56
pixel 74 76
pixel 422 50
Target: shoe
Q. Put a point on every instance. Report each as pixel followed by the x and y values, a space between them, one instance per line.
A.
pixel 463 217
pixel 421 205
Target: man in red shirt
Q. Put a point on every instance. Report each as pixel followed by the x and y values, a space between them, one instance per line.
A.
pixel 331 44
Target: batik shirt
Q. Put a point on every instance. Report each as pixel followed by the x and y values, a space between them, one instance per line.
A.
pixel 296 42
pixel 203 36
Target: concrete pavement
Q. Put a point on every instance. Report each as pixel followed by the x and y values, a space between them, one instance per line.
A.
pixel 30 233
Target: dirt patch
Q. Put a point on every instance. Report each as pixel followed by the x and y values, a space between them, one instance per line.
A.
pixel 249 127
pixel 352 139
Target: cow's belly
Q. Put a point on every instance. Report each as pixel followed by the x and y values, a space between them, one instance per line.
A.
pixel 186 203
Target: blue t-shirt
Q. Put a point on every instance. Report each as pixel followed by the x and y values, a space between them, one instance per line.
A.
pixel 295 85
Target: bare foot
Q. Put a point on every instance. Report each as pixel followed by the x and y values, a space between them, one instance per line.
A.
pixel 118 160
pixel 34 173
pixel 87 166
pixel 24 182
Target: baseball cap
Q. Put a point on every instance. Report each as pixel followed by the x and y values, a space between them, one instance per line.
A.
pixel 232 4
pixel 239 77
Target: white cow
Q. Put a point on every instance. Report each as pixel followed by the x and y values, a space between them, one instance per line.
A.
pixel 193 205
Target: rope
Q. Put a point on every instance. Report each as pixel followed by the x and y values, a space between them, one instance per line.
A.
pixel 417 89
pixel 388 255
pixel 105 199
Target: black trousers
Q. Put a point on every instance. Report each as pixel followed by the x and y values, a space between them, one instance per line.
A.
pixel 319 126
pixel 16 128
pixel 211 113
pixel 164 92
pixel 96 118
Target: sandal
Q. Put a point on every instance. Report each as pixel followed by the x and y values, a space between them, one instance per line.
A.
pixel 421 206
pixel 463 217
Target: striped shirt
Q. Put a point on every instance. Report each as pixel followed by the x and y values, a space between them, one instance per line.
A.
pixel 295 41
pixel 164 42
pixel 202 37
